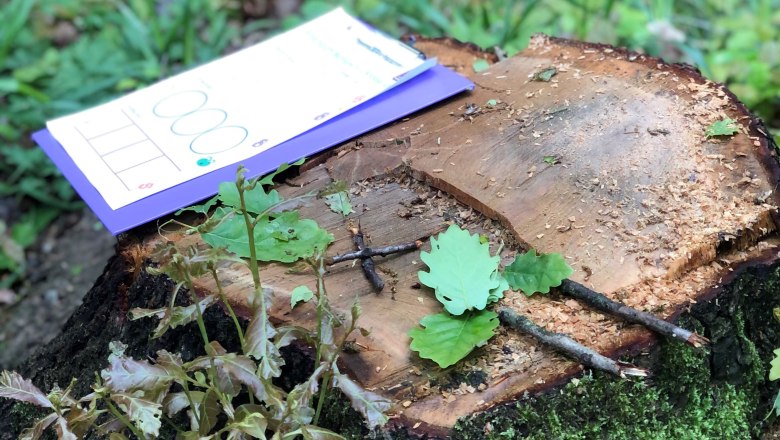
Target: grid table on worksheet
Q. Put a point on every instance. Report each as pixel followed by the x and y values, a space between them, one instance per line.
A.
pixel 126 149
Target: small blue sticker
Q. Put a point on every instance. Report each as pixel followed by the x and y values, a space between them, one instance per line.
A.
pixel 205 161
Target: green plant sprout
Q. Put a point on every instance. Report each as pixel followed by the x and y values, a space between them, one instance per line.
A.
pixel 224 395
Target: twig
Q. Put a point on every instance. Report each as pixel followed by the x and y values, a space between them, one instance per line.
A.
pixel 365 253
pixel 601 302
pixel 574 349
pixel 367 263
pixel 368 252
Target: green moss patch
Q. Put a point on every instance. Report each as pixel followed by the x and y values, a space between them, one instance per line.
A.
pixel 719 392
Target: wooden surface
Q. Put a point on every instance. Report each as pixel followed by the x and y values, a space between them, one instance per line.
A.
pixel 643 205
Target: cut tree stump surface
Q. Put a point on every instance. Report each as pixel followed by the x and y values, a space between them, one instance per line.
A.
pixel 606 163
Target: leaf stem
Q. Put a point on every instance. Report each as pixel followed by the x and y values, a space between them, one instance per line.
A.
pixel 324 387
pixel 125 421
pixel 250 231
pixel 322 304
pixel 229 308
pixel 322 299
pixel 186 388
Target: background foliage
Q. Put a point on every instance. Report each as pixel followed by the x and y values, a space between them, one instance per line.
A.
pixel 59 56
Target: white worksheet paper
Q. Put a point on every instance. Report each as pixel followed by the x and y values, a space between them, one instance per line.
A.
pixel 233 108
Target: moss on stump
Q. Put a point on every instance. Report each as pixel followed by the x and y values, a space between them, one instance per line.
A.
pixel 719 393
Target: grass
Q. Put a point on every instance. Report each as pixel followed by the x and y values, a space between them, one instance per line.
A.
pixel 54 59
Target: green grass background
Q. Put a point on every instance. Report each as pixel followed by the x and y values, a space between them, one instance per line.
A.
pixel 59 56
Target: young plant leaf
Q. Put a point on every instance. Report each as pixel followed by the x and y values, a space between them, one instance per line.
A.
pixel 725 127
pixel 173 403
pixel 63 430
pixel 498 293
pixel 257 200
pixel 268 179
pixel 313 432
pixel 446 339
pixel 14 386
pixel 175 316
pixel 80 420
pixel 285 238
pixel 371 405
pixel 125 374
pixel 209 409
pixel 461 270
pixel 776 405
pixel 299 399
pixel 300 293
pixel 202 208
pixel 258 344
pixel 533 273
pixel 36 431
pixel 251 423
pixel 144 413
pixel 233 368
pixel 774 371
pixel 339 203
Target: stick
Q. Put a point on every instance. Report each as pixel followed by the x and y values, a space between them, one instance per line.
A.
pixel 601 302
pixel 368 252
pixel 563 343
pixel 368 263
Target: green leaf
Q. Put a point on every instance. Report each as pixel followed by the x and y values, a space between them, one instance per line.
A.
pixel 251 423
pixel 268 179
pixel 173 403
pixel 774 370
pixel 172 317
pixel 202 208
pixel 479 65
pixel 492 103
pixel 776 405
pixel 725 127
pixel 339 203
pixel 461 270
pixel 14 386
pixel 299 399
pixel 144 413
pixel 545 75
pixel 371 405
pixel 36 431
pixel 209 409
pixel 446 339
pixel 313 432
pixel 234 367
pixel 256 199
pixel 285 238
pixel 498 293
pixel 533 273
pixel 300 293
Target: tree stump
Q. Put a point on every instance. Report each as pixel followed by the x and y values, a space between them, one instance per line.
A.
pixel 582 149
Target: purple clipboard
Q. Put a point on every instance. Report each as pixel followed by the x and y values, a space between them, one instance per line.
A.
pixel 426 89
